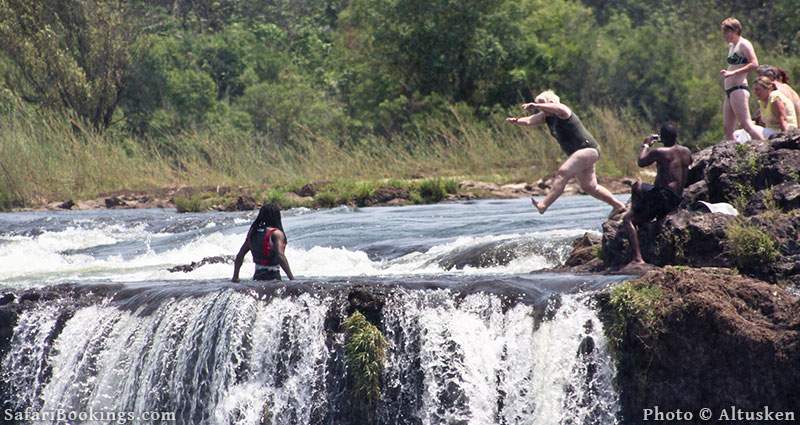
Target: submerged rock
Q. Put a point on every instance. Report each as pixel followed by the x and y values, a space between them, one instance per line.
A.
pixel 703 338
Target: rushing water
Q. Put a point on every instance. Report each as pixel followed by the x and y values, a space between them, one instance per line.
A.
pixel 474 336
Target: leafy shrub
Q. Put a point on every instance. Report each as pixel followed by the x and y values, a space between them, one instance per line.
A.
pixel 326 199
pixel 432 190
pixel 192 203
pixel 750 246
pixel 365 353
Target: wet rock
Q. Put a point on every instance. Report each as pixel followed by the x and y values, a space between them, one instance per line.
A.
pixel 711 339
pixel 194 265
pixel 366 301
pixel 67 205
pixel 584 256
pixel 114 202
pixel 245 203
pixel 385 195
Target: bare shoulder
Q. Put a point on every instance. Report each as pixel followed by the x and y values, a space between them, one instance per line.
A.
pixel 747 45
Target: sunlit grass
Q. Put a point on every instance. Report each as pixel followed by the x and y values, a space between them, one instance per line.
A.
pixel 45 157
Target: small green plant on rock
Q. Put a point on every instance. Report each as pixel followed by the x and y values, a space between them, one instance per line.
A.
pixel 365 353
pixel 634 301
pixel 750 246
pixel 746 160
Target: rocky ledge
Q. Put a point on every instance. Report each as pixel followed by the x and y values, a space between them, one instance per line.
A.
pixel 714 320
pixel 688 339
pixel 761 180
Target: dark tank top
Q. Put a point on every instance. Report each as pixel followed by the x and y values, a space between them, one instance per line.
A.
pixel 264 253
pixel 570 133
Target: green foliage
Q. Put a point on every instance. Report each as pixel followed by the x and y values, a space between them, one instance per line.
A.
pixel 746 160
pixel 68 53
pixel 326 199
pixel 435 190
pixel 750 246
pixel 365 354
pixel 194 203
pixel 634 301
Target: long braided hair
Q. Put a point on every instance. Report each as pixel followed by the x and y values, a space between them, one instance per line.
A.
pixel 268 216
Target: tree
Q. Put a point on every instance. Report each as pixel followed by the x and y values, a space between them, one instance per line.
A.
pixel 68 53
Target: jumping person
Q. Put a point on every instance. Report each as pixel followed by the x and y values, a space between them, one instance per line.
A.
pixel 741 60
pixel 267 241
pixel 581 148
pixel 655 201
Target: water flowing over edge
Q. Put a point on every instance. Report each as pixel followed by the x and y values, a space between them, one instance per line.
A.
pixel 247 358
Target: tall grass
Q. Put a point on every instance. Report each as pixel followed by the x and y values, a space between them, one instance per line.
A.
pixel 47 156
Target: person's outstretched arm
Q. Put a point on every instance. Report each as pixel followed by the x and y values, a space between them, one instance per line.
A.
pixel 529 121
pixel 281 243
pixel 558 109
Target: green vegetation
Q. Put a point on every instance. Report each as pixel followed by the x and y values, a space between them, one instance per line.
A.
pixel 365 353
pixel 634 301
pixel 750 246
pixel 98 96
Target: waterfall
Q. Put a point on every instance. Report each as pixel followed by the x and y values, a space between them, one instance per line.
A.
pixel 248 357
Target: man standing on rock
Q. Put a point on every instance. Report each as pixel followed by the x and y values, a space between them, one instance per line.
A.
pixel 581 148
pixel 655 201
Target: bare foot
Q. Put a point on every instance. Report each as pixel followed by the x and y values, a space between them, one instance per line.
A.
pixel 538 207
pixel 637 267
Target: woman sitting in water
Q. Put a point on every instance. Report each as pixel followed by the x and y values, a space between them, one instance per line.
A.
pixel 741 60
pixel 777 111
pixel 781 80
pixel 267 241
pixel 581 148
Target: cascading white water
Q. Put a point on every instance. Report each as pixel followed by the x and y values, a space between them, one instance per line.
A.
pixel 241 358
pixel 479 364
pixel 219 358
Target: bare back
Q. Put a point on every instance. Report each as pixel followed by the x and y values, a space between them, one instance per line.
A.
pixel 673 167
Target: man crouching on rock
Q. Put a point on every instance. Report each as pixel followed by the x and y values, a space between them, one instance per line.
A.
pixel 655 201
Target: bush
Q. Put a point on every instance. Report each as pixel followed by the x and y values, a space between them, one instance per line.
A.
pixel 326 199
pixel 365 353
pixel 192 203
pixel 432 190
pixel 750 246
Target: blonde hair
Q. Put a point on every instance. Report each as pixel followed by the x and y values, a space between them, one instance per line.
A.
pixel 766 82
pixel 547 96
pixel 732 24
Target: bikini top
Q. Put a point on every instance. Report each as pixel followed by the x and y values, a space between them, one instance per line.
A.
pixel 737 59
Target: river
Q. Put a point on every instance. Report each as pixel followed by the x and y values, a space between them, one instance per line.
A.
pixel 477 334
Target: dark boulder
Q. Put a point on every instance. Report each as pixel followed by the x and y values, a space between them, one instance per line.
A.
pixel 194 265
pixel 684 237
pixel 114 202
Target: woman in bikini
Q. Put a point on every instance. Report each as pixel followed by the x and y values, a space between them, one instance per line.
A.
pixel 741 60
